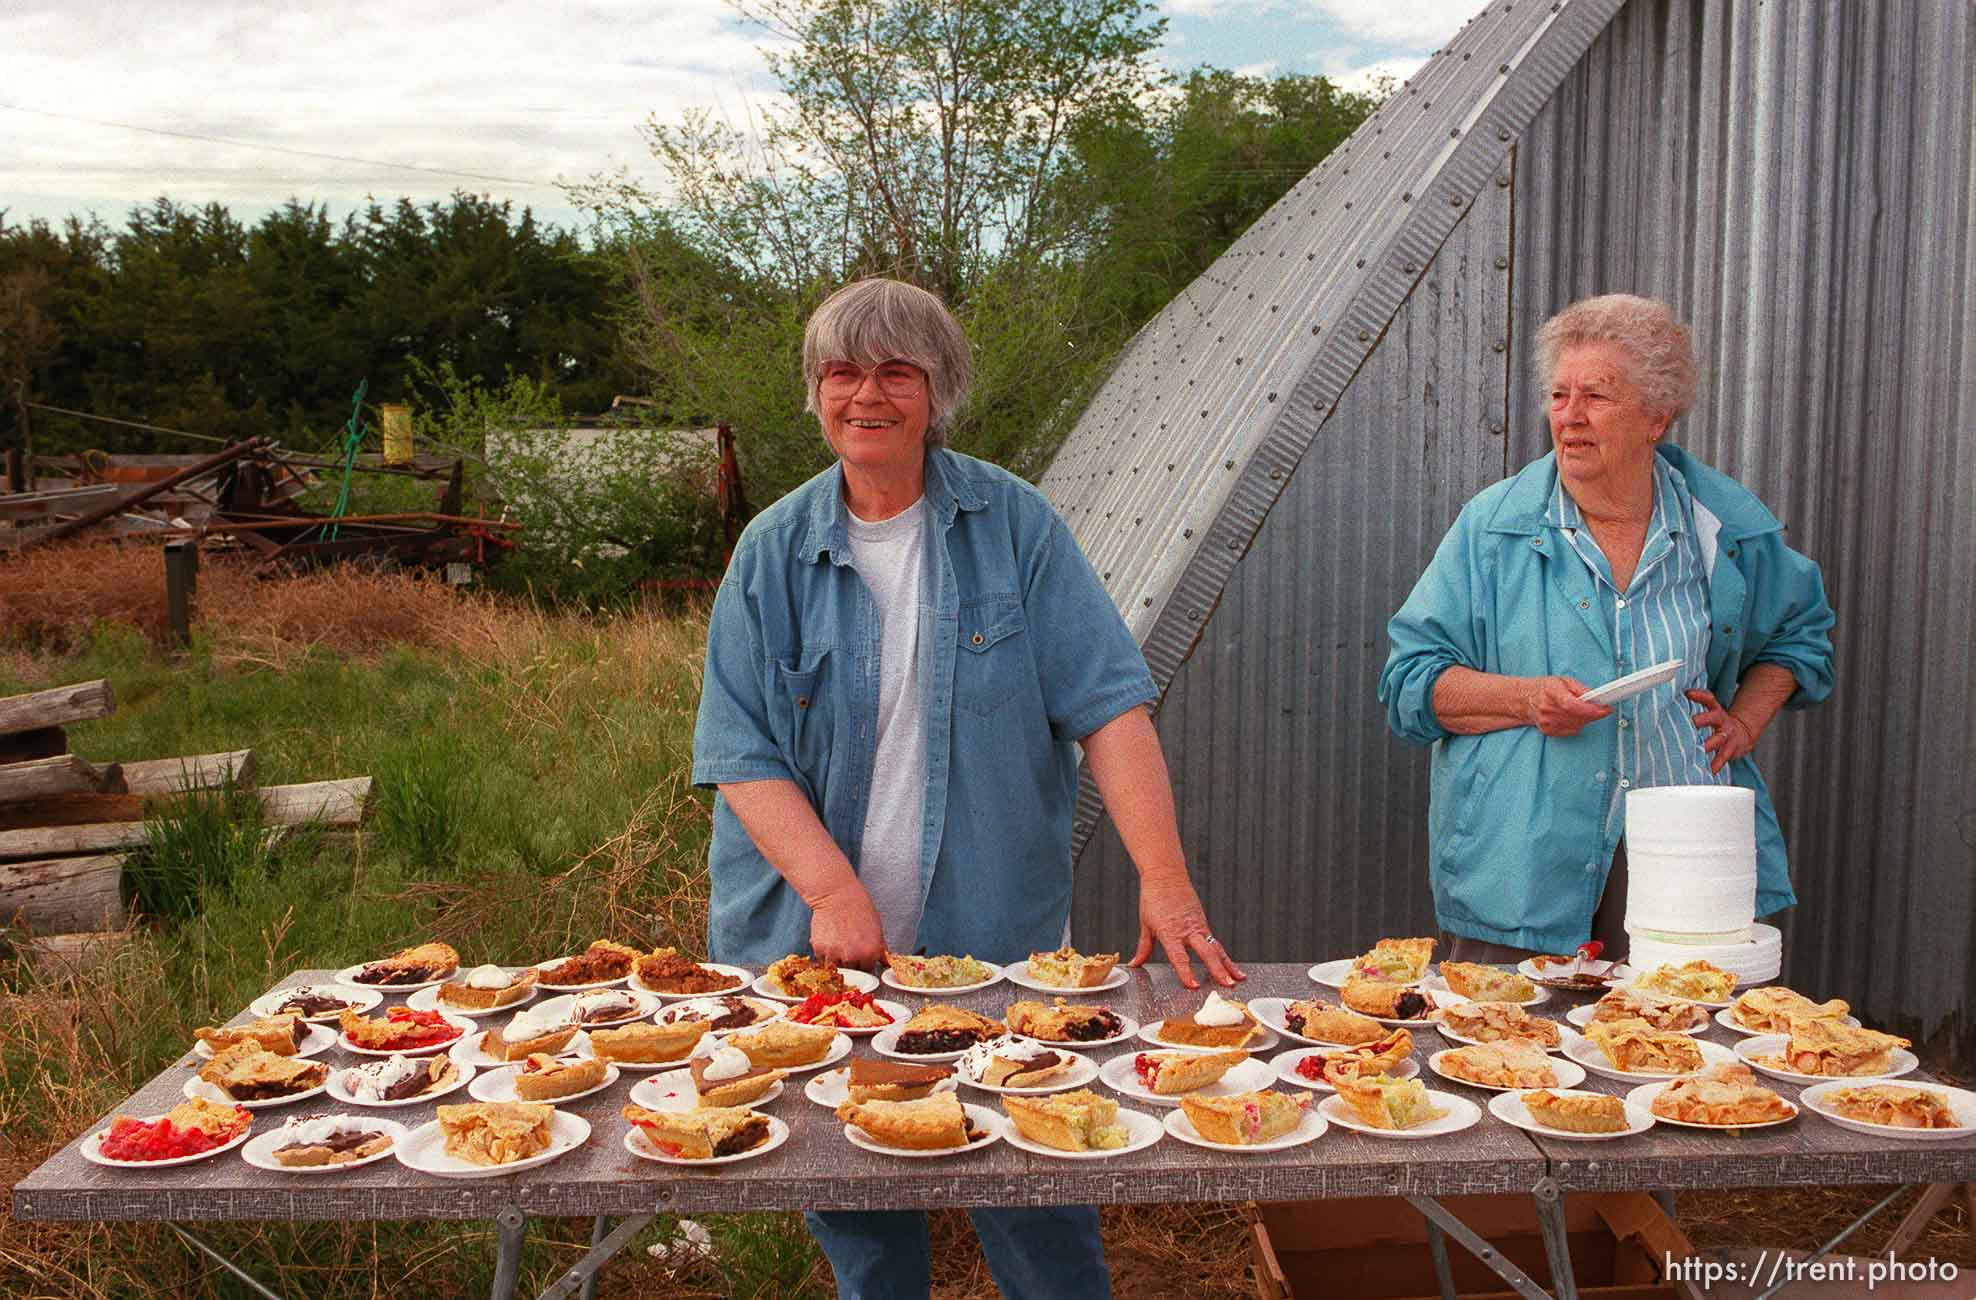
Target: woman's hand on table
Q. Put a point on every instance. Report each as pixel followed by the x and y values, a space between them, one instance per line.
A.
pixel 1170 913
pixel 1730 737
pixel 845 930
pixel 1553 707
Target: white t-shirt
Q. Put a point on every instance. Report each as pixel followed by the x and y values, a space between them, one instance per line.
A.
pixel 890 556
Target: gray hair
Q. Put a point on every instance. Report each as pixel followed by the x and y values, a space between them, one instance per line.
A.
pixel 869 321
pixel 1659 351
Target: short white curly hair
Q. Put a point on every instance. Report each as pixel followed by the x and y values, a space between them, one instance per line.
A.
pixel 1659 350
pixel 875 320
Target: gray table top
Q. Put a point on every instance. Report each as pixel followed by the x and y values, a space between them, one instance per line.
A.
pixel 819 1169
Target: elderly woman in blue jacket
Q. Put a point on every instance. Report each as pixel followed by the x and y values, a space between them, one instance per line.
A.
pixel 1615 552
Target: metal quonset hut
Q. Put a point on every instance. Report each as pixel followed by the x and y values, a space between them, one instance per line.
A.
pixel 1277 454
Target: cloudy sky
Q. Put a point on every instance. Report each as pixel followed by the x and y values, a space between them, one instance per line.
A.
pixel 104 103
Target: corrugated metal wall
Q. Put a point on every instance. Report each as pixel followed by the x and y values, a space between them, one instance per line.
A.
pixel 1797 179
pixel 1803 198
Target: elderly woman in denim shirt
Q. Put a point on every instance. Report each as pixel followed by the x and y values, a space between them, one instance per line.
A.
pixel 1616 552
pixel 904 657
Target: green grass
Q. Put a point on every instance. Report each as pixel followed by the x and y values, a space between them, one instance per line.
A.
pixel 531 794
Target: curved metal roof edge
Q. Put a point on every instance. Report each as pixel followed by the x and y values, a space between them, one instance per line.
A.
pixel 1488 128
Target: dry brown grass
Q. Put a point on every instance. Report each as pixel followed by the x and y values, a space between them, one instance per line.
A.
pixel 53 598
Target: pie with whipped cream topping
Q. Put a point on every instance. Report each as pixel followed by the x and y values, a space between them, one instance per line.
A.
pixel 1219 1022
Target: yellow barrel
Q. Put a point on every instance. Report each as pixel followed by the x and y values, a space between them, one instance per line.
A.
pixel 397 433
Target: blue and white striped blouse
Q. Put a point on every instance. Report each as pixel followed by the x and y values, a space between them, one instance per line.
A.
pixel 1663 614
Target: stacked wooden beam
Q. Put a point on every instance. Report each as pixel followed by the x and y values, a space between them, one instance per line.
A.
pixel 68 825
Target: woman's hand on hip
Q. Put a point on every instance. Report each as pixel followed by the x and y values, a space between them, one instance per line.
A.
pixel 845 930
pixel 1170 913
pixel 1730 737
pixel 1553 707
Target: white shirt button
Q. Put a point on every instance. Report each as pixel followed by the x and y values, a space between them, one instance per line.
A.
pixel 1624 723
pixel 1622 602
pixel 1625 784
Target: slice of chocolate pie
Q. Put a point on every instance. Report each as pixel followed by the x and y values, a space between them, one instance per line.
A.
pixel 877 1079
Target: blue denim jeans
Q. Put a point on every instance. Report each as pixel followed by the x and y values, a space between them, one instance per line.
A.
pixel 1034 1254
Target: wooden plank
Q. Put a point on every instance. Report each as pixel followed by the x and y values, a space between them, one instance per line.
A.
pixel 73 810
pixel 42 505
pixel 62 774
pixel 63 895
pixel 333 803
pixel 164 776
pixel 42 742
pixel 57 841
pixel 52 708
pixel 60 956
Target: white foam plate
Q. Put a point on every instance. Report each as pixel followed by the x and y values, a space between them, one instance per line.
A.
pixel 1509 1108
pixel 318 1040
pixel 991 1126
pixel 674 1091
pixel 1437 985
pixel 348 975
pixel 1144 1130
pixel 1082 1071
pixel 1960 1101
pixel 1151 1033
pixel 1449 1034
pixel 563 1007
pixel 832 1087
pixel 669 1013
pixel 1582 1017
pixel 886 1043
pixel 554 962
pixel 1270 1012
pixel 91 1150
pixel 468 1051
pixel 641 1146
pixel 467 1028
pixel 1631 986
pixel 1250 1076
pixel 899 1012
pixel 1749 1049
pixel 738 973
pixel 1127 1028
pixel 1625 688
pixel 891 980
pixel 340 1090
pixel 1727 1019
pixel 862 980
pixel 1584 1051
pixel 260 1152
pixel 197 1087
pixel 499 1085
pixel 1529 970
pixel 362 998
pixel 427 999
pixel 1310 1128
pixel 1461 1113
pixel 1332 973
pixel 1018 973
pixel 1285 1065
pixel 1643 1097
pixel 1569 1074
pixel 424 1149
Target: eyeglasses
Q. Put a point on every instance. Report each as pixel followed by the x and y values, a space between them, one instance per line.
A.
pixel 896 378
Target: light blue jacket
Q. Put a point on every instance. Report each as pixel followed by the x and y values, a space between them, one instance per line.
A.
pixel 1023 655
pixel 1517 837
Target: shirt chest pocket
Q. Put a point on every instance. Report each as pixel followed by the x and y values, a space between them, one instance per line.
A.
pixel 797 711
pixel 991 665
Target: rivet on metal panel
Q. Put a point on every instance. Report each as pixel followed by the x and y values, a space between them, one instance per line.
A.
pixel 1186 533
pixel 1454 133
pixel 1502 264
pixel 1365 336
pixel 1407 197
pixel 1498 346
pixel 1315 328
pixel 1497 428
pixel 1204 415
pixel 1454 201
pixel 1272 397
pixel 1228 464
pixel 1310 257
pixel 1409 268
pixel 1276 474
pixel 1235 546
pixel 1137 520
pixel 1108 573
pixel 1502 182
pixel 1193 616
pixel 1148 602
pixel 1169 467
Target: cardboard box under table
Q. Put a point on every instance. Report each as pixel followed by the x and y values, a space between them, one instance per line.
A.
pixel 1375 1248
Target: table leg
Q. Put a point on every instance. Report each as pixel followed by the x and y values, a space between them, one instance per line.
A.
pixel 1437 1249
pixel 1437 1213
pixel 597 1231
pixel 222 1261
pixel 513 1227
pixel 604 1245
pixel 1557 1243
pixel 1933 1198
pixel 1827 1248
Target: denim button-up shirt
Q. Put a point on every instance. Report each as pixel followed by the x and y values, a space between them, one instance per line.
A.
pixel 1519 832
pixel 1023 655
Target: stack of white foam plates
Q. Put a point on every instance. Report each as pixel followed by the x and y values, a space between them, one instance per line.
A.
pixel 1755 962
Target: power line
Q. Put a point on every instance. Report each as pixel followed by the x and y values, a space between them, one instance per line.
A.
pixel 275 148
pixel 128 424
